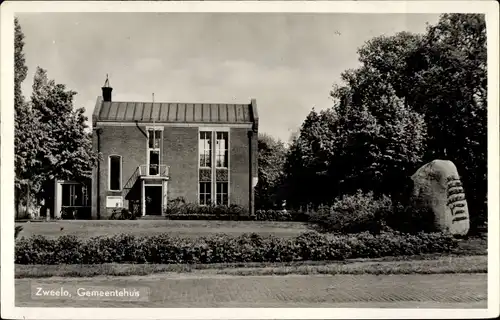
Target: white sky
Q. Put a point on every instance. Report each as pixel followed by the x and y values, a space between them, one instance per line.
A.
pixel 288 62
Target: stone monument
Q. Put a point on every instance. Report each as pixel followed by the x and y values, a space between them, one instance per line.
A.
pixel 437 187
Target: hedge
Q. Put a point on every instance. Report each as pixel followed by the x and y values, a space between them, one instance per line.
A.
pixel 222 248
pixel 178 209
pixel 260 215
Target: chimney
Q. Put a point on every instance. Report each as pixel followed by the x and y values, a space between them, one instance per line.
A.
pixel 106 91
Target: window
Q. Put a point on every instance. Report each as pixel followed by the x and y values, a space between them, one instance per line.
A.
pixel 154 162
pixel 214 179
pixel 222 193
pixel 154 139
pixel 205 149
pixel 115 173
pixel 74 195
pixel 221 150
pixel 205 193
pixel 154 148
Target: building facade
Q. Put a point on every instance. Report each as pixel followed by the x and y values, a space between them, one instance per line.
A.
pixel 156 152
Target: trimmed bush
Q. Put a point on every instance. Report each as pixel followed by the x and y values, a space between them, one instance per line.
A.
pixel 222 248
pixel 178 209
pixel 281 215
pixel 355 213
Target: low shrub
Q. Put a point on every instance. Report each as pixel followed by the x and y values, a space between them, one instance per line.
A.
pixel 355 213
pixel 75 213
pixel 222 248
pixel 281 215
pixel 178 209
pixel 123 214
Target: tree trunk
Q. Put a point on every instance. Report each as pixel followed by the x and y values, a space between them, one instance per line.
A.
pixel 27 199
pixel 17 201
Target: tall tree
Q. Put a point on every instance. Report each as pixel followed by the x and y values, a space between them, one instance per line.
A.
pixel 272 154
pixel 309 163
pixel 65 146
pixel 20 69
pixel 442 75
pixel 452 93
pixel 26 125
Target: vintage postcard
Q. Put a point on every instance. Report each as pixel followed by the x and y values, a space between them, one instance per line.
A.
pixel 249 159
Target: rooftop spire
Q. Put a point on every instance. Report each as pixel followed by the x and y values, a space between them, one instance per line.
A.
pixel 106 83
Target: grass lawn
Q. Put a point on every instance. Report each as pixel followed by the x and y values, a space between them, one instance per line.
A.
pixel 388 265
pixel 184 228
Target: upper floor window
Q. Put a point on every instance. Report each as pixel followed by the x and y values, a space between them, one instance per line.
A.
pixel 153 153
pixel 154 139
pixel 115 173
pixel 221 150
pixel 205 149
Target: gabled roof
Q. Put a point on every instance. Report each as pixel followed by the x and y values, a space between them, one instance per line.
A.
pixel 175 112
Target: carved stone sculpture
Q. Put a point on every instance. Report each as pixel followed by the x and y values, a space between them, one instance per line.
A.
pixel 437 187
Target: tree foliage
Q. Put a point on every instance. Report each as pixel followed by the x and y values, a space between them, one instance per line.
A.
pixel 51 137
pixel 451 91
pixel 415 98
pixel 26 125
pixel 271 160
pixel 65 150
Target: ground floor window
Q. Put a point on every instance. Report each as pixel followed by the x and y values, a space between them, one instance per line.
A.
pixel 74 201
pixel 222 193
pixel 75 195
pixel 115 173
pixel 205 193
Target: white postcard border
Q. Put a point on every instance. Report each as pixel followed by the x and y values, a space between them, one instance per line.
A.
pixel 9 8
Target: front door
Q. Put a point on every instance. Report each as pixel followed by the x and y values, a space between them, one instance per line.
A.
pixel 153 195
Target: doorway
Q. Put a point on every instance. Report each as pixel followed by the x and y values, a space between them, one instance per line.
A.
pixel 153 198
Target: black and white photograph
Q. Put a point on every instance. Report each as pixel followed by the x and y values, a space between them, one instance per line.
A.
pixel 207 155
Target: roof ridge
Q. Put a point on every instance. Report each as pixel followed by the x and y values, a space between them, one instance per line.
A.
pixel 176 112
pixel 160 102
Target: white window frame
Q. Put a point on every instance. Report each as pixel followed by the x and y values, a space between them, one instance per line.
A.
pixel 220 193
pixel 217 149
pixel 109 172
pixel 149 149
pixel 72 194
pixel 211 149
pixel 213 182
pixel 204 193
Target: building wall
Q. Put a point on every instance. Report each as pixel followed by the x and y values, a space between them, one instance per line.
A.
pixel 239 163
pixel 129 142
pixel 180 152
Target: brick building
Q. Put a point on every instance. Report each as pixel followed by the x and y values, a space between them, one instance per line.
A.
pixel 156 152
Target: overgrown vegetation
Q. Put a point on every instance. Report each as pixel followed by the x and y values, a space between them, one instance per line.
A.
pixel 223 248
